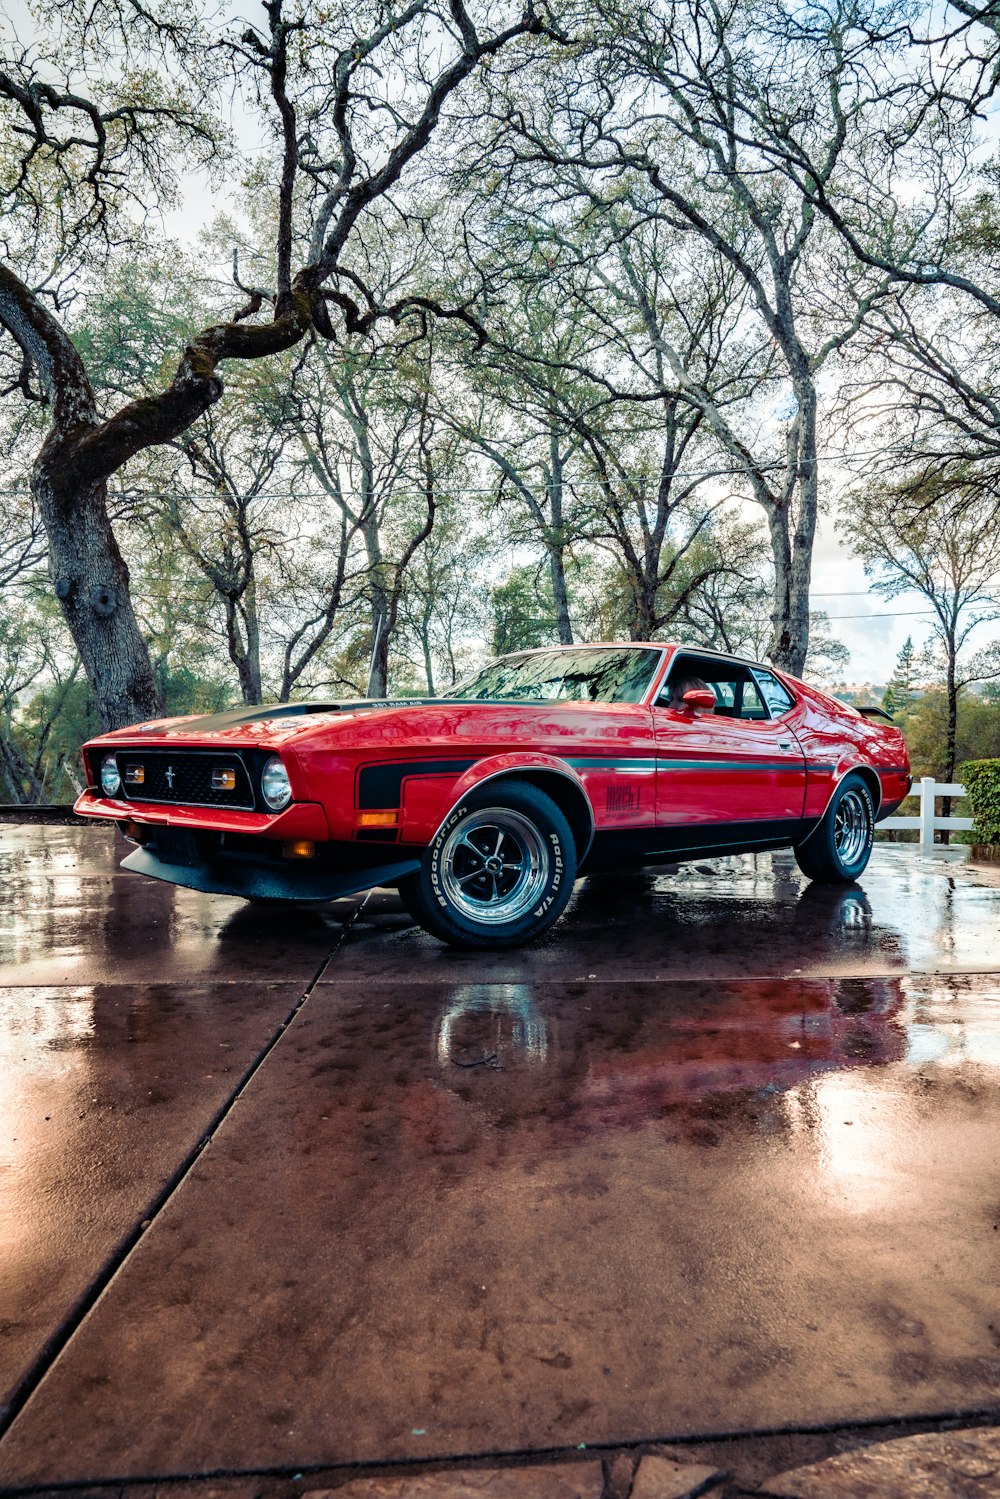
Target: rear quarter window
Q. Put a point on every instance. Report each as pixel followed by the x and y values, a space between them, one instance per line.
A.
pixel 777 697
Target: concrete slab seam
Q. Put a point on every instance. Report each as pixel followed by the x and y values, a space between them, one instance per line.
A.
pixel 57 1342
pixel 943 1421
pixel 638 981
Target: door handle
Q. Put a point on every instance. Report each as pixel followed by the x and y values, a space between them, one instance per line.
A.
pixel 784 744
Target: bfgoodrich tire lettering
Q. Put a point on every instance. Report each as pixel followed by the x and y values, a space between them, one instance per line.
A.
pixel 838 850
pixel 499 871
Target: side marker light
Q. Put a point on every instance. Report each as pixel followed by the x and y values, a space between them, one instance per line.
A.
pixel 377 819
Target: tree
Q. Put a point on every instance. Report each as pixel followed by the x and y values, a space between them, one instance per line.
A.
pixel 38 679
pixel 900 690
pixel 443 610
pixel 596 443
pixel 81 158
pixel 516 403
pixel 524 612
pixel 828 657
pixel 223 521
pixel 668 112
pixel 925 724
pixel 22 541
pixel 371 445
pixel 916 204
pixel 944 547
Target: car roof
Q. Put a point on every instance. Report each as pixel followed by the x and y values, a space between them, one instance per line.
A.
pixel 674 646
pixel 707 650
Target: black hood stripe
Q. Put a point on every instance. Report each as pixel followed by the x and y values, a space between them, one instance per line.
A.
pixel 237 718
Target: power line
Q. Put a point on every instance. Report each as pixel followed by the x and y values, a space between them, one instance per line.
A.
pixel 898 614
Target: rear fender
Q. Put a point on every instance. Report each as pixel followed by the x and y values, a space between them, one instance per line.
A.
pixel 548 773
pixel 868 773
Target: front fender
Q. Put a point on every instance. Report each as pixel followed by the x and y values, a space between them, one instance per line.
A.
pixel 498 765
pixel 494 766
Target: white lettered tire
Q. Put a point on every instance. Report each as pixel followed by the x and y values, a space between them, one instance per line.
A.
pixel 499 871
pixel 838 849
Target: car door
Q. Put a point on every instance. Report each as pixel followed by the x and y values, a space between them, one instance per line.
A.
pixel 735 766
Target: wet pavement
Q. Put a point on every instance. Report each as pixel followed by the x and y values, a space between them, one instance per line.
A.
pixel 303 1190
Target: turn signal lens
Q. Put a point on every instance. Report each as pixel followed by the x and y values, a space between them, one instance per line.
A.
pixel 134 775
pixel 302 849
pixel 111 781
pixel 377 819
pixel 274 785
pixel 223 779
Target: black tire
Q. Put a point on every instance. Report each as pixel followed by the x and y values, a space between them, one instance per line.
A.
pixel 498 873
pixel 837 851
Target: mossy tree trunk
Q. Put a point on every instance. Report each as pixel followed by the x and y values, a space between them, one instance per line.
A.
pixel 91 581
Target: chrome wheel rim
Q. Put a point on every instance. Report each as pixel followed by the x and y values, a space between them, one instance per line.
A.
pixel 851 827
pixel 494 866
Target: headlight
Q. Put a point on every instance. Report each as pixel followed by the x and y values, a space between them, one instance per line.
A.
pixel 274 784
pixel 111 781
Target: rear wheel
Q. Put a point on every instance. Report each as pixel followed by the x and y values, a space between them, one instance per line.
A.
pixel 498 873
pixel 837 851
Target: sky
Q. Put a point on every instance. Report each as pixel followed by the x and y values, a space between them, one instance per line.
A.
pixel 874 629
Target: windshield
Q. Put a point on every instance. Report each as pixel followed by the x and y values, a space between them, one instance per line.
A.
pixel 586 675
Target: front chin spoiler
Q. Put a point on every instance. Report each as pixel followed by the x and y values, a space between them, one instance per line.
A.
pixel 254 883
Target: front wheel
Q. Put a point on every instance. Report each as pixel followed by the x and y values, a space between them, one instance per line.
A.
pixel 498 873
pixel 837 851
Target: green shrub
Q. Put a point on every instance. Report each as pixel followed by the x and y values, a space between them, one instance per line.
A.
pixel 981 779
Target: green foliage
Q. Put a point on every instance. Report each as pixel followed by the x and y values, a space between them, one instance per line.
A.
pixel 900 692
pixel 981 779
pixel 925 725
pixel 136 320
pixel 186 691
pixel 524 612
pixel 69 715
pixel 60 717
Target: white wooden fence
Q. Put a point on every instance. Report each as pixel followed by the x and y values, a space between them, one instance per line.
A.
pixel 928 790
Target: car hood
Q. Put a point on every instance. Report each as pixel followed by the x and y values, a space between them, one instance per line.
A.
pixel 275 724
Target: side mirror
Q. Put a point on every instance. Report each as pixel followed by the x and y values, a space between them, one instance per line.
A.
pixel 700 697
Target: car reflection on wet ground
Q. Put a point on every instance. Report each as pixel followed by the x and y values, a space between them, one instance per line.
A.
pixel 292 1189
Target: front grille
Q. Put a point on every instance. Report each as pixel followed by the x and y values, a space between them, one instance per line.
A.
pixel 183 776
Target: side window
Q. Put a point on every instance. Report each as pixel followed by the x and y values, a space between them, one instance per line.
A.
pixel 778 698
pixel 687 670
pixel 736 693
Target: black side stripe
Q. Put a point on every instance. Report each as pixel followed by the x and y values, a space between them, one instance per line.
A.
pixel 382 785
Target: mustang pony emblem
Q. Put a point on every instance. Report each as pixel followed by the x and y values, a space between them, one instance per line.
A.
pixel 170 777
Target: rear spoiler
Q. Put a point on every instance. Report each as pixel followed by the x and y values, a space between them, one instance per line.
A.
pixel 876 713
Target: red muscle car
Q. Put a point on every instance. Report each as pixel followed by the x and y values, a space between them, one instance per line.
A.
pixel 483 806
